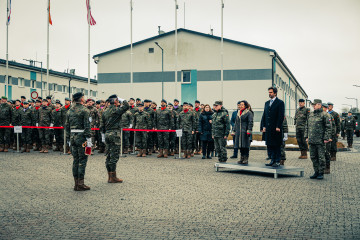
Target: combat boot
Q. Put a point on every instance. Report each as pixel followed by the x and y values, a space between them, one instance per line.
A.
pixel 108 177
pixel 126 150
pixel 14 147
pixel 114 179
pixel 139 153
pixel 2 147
pixel 192 153
pixel 144 153
pixel 42 149
pixel 81 186
pixel 166 154
pixel 185 154
pixel 241 160
pixel 6 148
pixel 28 148
pixel 24 149
pixel 172 153
pixel 333 156
pixel 327 169
pixel 316 174
pixel 197 152
pixel 189 154
pixel 161 153
pixel 246 160
pixel 76 184
pixel 46 149
pixel 36 148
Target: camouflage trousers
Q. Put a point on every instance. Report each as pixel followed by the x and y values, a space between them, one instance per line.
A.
pixel 78 152
pixel 327 152
pixel 300 138
pixel 141 140
pixel 126 139
pixel 220 148
pixel 26 135
pixel 163 140
pixel 113 144
pixel 187 141
pixel 333 146
pixel 350 136
pixel 5 135
pixel 44 135
pixel 317 155
pixel 59 136
pixel 172 141
pixel 150 139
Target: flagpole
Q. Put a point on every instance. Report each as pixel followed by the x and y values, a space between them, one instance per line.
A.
pixel 7 47
pixel 89 52
pixel 176 52
pixel 131 50
pixel 47 55
pixel 222 50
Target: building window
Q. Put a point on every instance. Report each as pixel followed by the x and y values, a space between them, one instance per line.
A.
pixel 65 89
pixel 151 50
pixel 91 92
pixel 32 84
pixel 94 93
pixel 55 87
pixel 186 77
pixel 44 85
pixel 21 82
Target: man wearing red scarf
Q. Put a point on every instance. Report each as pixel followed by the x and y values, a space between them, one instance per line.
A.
pixel 16 120
pixel 187 124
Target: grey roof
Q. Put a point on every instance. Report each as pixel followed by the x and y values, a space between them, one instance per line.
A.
pixel 52 72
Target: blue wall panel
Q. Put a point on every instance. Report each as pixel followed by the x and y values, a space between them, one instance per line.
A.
pixel 189 91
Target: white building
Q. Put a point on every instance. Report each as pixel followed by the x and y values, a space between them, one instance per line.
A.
pixel 25 79
pixel 248 71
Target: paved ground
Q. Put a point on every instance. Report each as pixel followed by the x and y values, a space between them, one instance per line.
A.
pixel 176 199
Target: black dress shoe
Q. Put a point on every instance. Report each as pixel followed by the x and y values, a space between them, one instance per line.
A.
pixel 320 176
pixel 315 175
pixel 233 156
pixel 203 157
pixel 270 163
pixel 277 164
pixel 208 157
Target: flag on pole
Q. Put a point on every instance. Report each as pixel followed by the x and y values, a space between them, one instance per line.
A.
pixel 8 12
pixel 50 21
pixel 90 18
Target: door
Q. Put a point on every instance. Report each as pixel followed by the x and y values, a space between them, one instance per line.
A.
pixel 189 86
pixel 9 93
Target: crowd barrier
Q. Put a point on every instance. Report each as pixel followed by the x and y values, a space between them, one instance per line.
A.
pixel 18 130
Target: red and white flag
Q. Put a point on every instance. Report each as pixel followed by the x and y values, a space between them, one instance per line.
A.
pixel 90 18
pixel 50 21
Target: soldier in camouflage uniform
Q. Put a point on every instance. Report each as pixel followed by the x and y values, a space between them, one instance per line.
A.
pixel 65 109
pixel 45 120
pixel 172 135
pixel 301 116
pixel 342 124
pixel 5 120
pixel 126 121
pixel 349 126
pixel 336 116
pixel 94 118
pixel 27 119
pixel 142 120
pixel 285 137
pixel 220 130
pixel 58 116
pixel 110 125
pixel 187 124
pixel 133 110
pixel 317 133
pixel 77 134
pixel 151 112
pixel 178 109
pixel 197 112
pixel 16 121
pixel 328 144
pixel 164 120
pixel 36 138
pixel 51 132
pixel 191 109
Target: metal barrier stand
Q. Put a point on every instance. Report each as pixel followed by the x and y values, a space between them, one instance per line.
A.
pixel 121 144
pixel 17 142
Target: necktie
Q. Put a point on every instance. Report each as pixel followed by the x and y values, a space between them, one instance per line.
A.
pixel 271 102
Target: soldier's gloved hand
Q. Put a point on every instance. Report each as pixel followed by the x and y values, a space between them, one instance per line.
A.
pixel 68 142
pixel 103 137
pixel 89 143
pixel 285 137
pixel 51 125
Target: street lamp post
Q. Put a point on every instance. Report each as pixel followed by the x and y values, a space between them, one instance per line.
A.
pixel 162 70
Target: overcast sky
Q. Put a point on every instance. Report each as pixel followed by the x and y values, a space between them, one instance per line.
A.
pixel 319 40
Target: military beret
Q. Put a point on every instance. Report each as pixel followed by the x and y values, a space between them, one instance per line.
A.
pixel 98 102
pixel 138 99
pixel 325 105
pixel 175 100
pixel 141 104
pixel 132 99
pixel 17 100
pixel 154 103
pixel 113 96
pixel 48 97
pixel 170 104
pixel 316 101
pixel 164 101
pixel 77 96
pixel 330 103
pixel 38 100
pixel 67 99
pixel 197 101
pixel 301 100
pixel 185 103
pixel 23 97
pixel 25 102
pixel 57 100
pixel 3 97
pixel 147 100
pixel 190 104
pixel 12 101
pixel 238 102
pixel 44 100
pixel 218 103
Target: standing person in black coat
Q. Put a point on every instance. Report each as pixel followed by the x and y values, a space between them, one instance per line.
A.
pixel 272 125
pixel 232 122
pixel 205 131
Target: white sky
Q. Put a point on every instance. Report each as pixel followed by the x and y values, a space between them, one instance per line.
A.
pixel 319 40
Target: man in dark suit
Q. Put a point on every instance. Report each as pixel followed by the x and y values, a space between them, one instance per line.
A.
pixel 272 126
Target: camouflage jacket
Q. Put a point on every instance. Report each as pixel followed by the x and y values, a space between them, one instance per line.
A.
pixel 5 114
pixel 65 109
pixel 27 117
pixel 77 118
pixel 220 123
pixel 151 113
pixel 336 117
pixel 176 120
pixel 350 123
pixel 16 116
pixel 133 109
pixel 94 117
pixel 127 119
pixel 164 119
pixel 187 121
pixel 110 119
pixel 45 116
pixel 58 116
pixel 318 127
pixel 301 116
pixel 142 120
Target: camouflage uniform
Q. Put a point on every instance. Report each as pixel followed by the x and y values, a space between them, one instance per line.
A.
pixel 5 120
pixel 317 131
pixel 58 116
pixel 65 110
pixel 94 119
pixel 349 126
pixel 110 125
pixel 328 145
pixel 187 124
pixel 221 129
pixel 16 121
pixel 45 119
pixel 172 135
pixel 35 131
pixel 142 120
pixel 164 120
pixel 333 148
pixel 301 117
pixel 285 130
pixel 150 138
pixel 133 110
pixel 27 119
pixel 126 121
pixel 77 132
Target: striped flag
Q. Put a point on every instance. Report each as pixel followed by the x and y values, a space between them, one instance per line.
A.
pixel 8 12
pixel 90 18
pixel 50 21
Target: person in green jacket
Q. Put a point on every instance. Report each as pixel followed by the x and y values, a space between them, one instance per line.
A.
pixel 220 130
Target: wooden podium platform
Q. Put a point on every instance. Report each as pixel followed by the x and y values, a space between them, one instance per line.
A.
pixel 260 167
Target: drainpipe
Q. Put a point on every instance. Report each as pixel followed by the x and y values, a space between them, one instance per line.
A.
pixel 273 67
